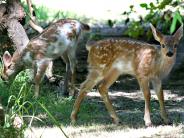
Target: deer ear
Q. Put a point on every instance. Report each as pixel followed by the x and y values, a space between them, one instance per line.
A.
pixel 157 35
pixel 7 58
pixel 179 33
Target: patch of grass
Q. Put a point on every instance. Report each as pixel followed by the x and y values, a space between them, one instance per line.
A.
pixel 50 111
pixel 19 103
pixel 16 108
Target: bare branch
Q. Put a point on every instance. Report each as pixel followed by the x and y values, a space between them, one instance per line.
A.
pixel 32 20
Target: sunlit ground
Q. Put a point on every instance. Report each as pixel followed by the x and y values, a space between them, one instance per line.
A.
pixel 97 130
pixel 109 131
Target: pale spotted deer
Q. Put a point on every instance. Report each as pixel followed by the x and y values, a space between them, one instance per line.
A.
pixel 110 58
pixel 59 39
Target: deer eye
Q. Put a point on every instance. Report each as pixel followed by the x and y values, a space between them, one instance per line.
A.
pixel 11 66
pixel 163 46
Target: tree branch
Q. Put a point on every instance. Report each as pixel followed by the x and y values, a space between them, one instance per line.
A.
pixel 32 20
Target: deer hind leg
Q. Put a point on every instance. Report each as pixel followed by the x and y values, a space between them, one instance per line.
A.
pixel 67 75
pixel 72 60
pixel 109 79
pixel 157 85
pixel 93 78
pixel 39 71
pixel 144 85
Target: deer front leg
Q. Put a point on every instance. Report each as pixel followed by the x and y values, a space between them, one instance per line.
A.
pixel 39 72
pixel 157 85
pixel 144 85
pixel 49 72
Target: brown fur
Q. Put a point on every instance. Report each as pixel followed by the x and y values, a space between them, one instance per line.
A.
pixel 110 58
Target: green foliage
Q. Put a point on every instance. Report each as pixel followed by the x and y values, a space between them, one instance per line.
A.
pixel 17 108
pixel 135 30
pixel 163 4
pixel 111 23
pixel 19 102
pixel 42 13
pixel 151 7
pixel 129 12
pixel 176 17
pixel 95 37
pixel 159 16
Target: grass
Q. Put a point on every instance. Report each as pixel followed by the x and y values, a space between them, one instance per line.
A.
pixel 47 115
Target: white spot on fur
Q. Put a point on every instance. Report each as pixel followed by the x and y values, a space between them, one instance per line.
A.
pixel 42 62
pixel 125 67
pixel 66 29
pixel 102 65
pixel 27 57
pixel 63 42
pixel 56 49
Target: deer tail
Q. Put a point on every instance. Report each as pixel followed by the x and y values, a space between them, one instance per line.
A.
pixel 85 27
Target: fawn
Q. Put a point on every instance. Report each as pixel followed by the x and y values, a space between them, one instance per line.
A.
pixel 109 58
pixel 59 39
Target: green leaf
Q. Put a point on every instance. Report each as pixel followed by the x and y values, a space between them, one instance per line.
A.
pixel 176 17
pixel 144 5
pixel 131 7
pixel 152 5
pixel 179 17
pixel 173 25
pixel 164 3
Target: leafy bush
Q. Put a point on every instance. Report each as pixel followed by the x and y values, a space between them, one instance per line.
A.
pixel 159 15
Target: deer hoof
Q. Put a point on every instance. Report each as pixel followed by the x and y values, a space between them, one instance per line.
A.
pixel 167 122
pixel 117 121
pixel 36 96
pixel 148 124
pixel 73 119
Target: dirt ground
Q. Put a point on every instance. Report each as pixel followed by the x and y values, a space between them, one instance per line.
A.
pixel 129 106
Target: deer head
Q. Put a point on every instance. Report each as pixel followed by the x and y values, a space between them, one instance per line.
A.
pixel 11 66
pixel 168 42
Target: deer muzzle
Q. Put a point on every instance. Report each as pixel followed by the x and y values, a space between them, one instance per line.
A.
pixel 169 54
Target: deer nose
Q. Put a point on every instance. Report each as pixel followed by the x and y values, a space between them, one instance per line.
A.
pixel 169 54
pixel 2 78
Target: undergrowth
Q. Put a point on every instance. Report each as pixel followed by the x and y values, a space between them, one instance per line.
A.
pixel 21 108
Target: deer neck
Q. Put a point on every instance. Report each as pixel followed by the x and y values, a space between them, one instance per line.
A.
pixel 22 58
